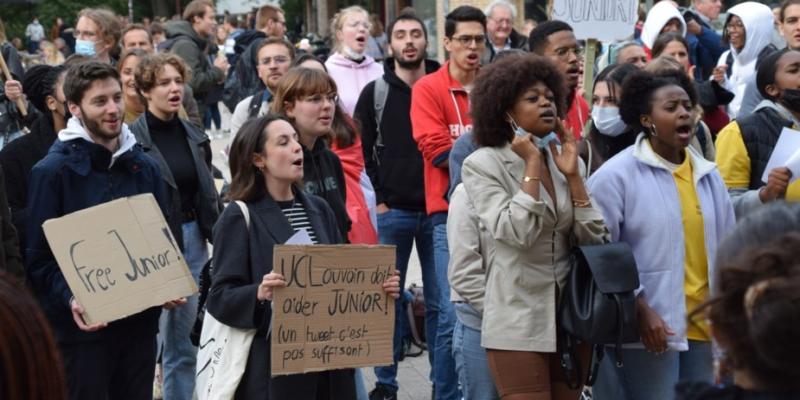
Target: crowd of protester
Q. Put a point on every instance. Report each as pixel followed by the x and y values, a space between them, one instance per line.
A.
pixel 494 166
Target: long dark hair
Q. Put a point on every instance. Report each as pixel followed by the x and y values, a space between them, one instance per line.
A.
pixel 247 182
pixel 30 364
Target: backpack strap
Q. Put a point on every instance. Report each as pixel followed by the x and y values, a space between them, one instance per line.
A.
pixel 245 212
pixel 255 104
pixel 381 94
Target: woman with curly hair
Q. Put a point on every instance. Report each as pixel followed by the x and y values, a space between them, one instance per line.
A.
pixel 525 183
pixel 670 205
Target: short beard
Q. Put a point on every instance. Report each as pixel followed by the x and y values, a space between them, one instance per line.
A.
pixel 413 64
pixel 95 128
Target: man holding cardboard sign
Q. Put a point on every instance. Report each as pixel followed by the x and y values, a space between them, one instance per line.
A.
pixel 94 160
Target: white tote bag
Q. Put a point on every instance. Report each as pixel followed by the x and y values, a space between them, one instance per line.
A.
pixel 222 353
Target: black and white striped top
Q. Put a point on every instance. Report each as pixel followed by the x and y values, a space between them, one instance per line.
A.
pixel 296 213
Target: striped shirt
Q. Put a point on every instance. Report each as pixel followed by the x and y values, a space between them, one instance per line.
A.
pixel 298 218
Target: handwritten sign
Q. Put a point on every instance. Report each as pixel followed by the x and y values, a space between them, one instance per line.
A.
pixel 119 258
pixel 598 19
pixel 333 313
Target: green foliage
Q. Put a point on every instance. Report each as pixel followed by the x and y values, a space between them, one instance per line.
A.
pixel 293 10
pixel 17 17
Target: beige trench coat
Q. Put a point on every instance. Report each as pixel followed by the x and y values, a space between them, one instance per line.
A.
pixel 533 239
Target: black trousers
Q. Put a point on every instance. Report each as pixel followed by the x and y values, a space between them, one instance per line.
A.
pixel 324 385
pixel 111 369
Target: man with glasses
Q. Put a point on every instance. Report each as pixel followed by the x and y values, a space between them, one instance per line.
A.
pixel 274 56
pixel 556 41
pixel 439 115
pixel 97 33
pixel 500 32
pixel 242 81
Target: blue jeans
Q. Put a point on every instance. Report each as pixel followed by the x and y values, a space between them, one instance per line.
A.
pixel 212 114
pixel 646 375
pixel 403 228
pixel 445 379
pixel 472 365
pixel 180 355
pixel 361 390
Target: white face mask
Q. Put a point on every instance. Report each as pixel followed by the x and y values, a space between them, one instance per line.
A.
pixel 608 121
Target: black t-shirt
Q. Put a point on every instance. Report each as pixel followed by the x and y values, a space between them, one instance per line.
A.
pixel 170 139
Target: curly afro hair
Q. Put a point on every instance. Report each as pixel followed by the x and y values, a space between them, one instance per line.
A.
pixel 636 97
pixel 497 89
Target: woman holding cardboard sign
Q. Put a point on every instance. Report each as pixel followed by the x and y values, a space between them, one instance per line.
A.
pixel 266 162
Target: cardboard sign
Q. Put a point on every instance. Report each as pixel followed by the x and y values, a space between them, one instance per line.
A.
pixel 119 258
pixel 333 313
pixel 606 20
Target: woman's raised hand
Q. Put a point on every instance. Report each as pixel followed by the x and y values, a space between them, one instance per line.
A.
pixel 567 159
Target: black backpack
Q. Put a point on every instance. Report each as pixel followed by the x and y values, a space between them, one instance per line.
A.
pixel 598 306
pixel 242 79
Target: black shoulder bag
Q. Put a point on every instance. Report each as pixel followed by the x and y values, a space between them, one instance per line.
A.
pixel 597 306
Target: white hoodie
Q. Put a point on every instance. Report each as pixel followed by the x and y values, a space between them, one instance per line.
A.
pixel 76 130
pixel 758 25
pixel 659 15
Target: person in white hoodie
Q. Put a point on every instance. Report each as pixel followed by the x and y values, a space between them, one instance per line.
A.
pixel 95 160
pixel 663 17
pixel 349 66
pixel 748 30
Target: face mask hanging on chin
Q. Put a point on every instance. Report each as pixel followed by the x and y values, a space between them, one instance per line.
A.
pixel 540 142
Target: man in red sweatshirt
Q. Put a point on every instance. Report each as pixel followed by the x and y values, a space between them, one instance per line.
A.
pixel 556 41
pixel 439 115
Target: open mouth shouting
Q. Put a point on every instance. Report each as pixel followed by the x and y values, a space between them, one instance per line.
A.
pixel 684 132
pixel 548 116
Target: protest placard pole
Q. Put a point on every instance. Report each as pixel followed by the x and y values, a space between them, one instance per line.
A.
pixel 20 102
pixel 590 53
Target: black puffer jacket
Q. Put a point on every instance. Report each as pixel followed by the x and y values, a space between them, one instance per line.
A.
pixel 17 160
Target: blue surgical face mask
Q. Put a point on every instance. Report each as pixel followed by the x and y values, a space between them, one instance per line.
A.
pixel 540 142
pixel 85 47
pixel 608 121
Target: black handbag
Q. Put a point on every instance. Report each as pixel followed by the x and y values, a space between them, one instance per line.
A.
pixel 598 305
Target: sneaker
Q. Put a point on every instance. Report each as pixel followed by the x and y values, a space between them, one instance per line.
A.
pixel 382 392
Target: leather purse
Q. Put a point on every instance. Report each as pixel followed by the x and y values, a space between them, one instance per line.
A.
pixel 598 305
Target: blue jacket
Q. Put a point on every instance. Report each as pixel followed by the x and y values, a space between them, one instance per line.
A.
pixel 641 207
pixel 74 175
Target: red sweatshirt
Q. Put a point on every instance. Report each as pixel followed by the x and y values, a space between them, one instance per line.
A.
pixel 439 115
pixel 577 115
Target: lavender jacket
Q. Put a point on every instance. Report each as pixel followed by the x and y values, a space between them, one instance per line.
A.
pixel 639 201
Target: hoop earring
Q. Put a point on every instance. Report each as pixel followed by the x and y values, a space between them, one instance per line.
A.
pixel 654 133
